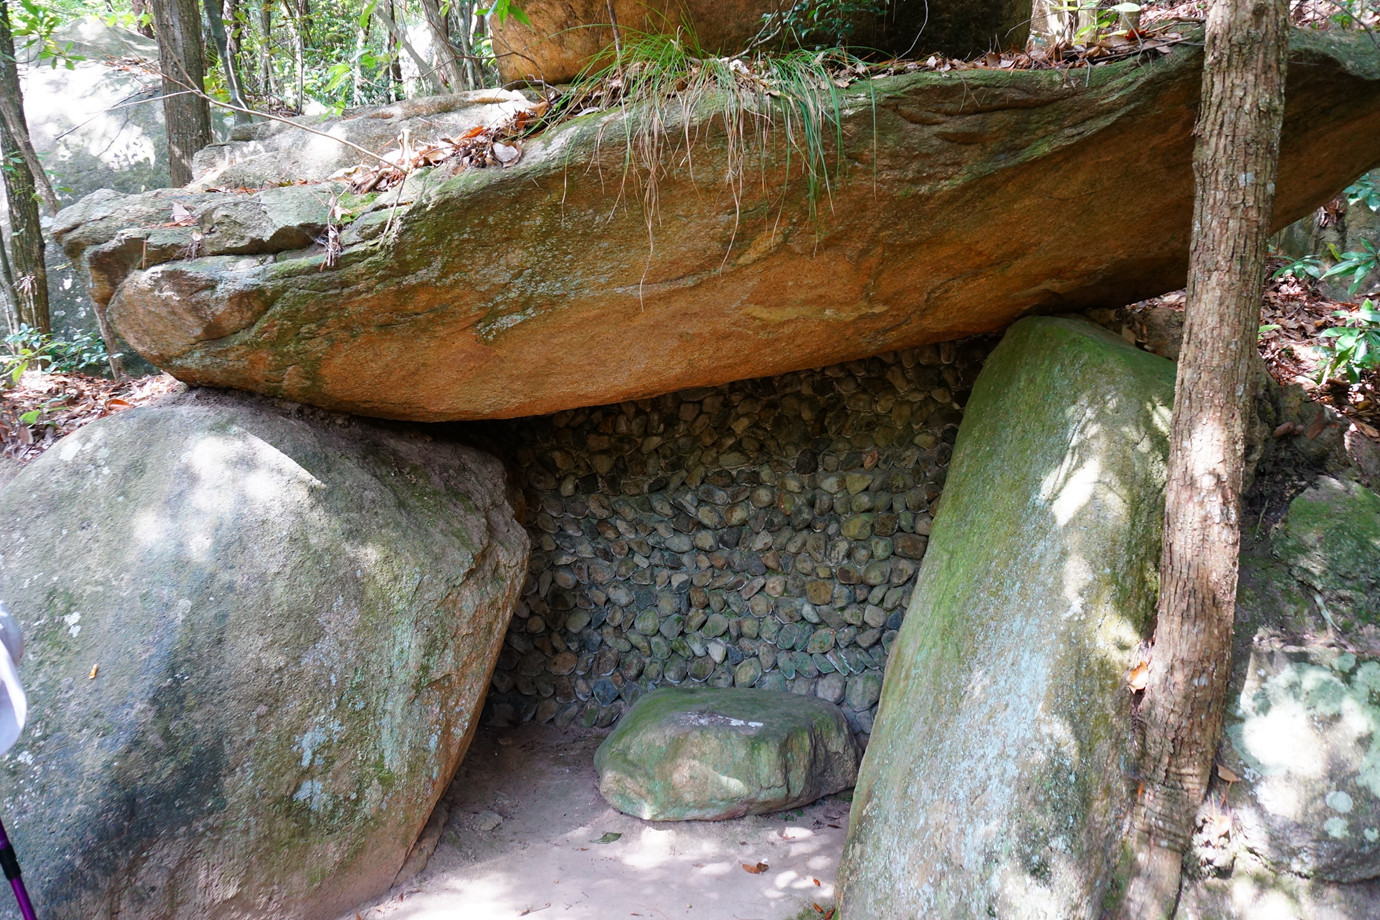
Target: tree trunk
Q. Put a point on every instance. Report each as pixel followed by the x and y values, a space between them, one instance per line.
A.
pixel 357 63
pixel 12 113
pixel 215 20
pixel 1234 166
pixel 462 14
pixel 143 17
pixel 425 72
pixel 181 60
pixel 452 74
pixel 297 25
pixel 29 279
pixel 265 54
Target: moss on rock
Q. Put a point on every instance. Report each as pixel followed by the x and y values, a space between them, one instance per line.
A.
pixel 995 780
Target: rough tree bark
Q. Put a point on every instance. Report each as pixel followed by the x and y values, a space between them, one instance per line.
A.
pixel 12 114
pixel 1242 107
pixel 181 59
pixel 426 73
pixel 265 55
pixel 143 17
pixel 229 58
pixel 437 21
pixel 28 278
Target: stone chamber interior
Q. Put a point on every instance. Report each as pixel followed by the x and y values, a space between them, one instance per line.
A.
pixel 765 533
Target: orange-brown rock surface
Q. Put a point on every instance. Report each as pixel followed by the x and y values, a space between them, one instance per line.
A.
pixel 959 203
pixel 567 37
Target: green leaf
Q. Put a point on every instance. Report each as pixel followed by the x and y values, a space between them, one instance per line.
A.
pixel 609 837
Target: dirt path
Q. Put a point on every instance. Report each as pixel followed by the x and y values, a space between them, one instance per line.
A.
pixel 544 859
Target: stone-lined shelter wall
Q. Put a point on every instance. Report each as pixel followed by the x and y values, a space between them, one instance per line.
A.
pixel 763 534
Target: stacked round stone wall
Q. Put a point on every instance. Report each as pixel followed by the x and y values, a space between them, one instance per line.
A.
pixel 763 534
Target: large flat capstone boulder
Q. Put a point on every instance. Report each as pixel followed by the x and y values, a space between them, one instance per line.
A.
pixel 564 39
pixel 709 753
pixel 996 779
pixel 259 640
pixel 982 196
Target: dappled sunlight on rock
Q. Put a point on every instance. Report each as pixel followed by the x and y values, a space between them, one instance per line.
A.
pixel 301 653
pixel 994 781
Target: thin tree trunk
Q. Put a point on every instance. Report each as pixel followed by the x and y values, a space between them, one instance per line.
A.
pixel 181 59
pixel 297 25
pixel 29 278
pixel 265 49
pixel 462 11
pixel 234 33
pixel 1234 166
pixel 143 17
pixel 12 112
pixel 357 66
pixel 427 73
pixel 12 317
pixel 487 73
pixel 30 270
pixel 452 74
pixel 215 20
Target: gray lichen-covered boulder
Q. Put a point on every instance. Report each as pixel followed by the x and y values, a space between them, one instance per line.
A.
pixel 708 753
pixel 1299 834
pixel 97 124
pixel 259 639
pixel 271 151
pixel 996 779
pixel 1330 540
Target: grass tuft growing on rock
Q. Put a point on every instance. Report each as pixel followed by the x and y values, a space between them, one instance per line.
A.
pixel 788 104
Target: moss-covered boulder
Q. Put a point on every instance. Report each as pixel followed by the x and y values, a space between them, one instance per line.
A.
pixel 996 779
pixel 1330 539
pixel 1299 834
pixel 707 753
pixel 258 639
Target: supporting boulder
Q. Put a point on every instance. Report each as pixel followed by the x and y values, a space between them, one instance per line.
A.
pixel 259 640
pixel 706 753
pixel 997 781
pixel 980 196
pixel 565 38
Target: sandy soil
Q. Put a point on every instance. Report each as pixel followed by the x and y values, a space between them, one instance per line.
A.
pixel 529 836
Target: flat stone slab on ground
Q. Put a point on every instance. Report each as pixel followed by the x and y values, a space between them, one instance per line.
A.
pixel 709 753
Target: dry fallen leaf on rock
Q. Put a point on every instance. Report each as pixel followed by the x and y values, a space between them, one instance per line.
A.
pixel 755 870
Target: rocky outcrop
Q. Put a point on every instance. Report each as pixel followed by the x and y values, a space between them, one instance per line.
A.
pixel 97 124
pixel 706 754
pixel 1301 826
pixel 280 150
pixel 567 38
pixel 259 639
pixel 994 783
pixel 492 293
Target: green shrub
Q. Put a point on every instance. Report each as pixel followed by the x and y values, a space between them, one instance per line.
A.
pixel 27 347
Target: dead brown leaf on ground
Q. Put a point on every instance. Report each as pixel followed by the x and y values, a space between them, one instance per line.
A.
pixel 40 408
